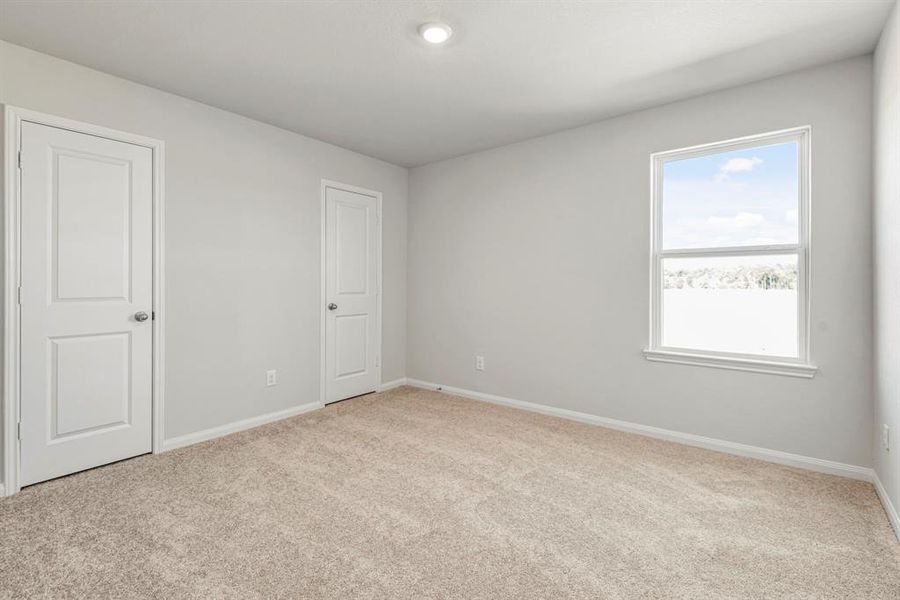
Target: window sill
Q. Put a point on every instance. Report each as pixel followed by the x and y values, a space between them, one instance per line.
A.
pixel 788 369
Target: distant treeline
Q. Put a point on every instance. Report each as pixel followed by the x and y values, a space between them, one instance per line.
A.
pixel 770 277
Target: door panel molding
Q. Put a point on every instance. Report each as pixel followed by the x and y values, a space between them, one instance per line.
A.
pixel 14 118
pixel 323 291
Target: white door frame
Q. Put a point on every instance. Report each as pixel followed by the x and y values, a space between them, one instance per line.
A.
pixel 12 133
pixel 323 299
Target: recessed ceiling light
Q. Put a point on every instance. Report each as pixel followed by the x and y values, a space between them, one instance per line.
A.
pixel 435 33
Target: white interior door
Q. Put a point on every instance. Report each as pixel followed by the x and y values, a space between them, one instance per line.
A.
pixel 351 345
pixel 86 301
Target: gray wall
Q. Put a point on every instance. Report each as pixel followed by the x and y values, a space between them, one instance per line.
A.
pixel 537 255
pixel 242 239
pixel 887 254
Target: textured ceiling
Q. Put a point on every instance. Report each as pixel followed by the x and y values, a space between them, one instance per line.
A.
pixel 355 74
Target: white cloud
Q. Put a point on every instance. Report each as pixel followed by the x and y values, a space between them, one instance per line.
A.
pixel 742 220
pixel 737 165
pixel 790 216
pixel 740 228
pixel 704 213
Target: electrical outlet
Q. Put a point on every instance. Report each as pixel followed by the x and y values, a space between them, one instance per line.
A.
pixel 271 378
pixel 479 363
pixel 886 438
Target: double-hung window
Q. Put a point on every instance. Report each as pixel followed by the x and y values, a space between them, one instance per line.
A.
pixel 730 254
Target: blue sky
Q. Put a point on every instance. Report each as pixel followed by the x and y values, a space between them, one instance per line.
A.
pixel 746 197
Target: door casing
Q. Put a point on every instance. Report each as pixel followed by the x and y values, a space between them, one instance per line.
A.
pixel 12 134
pixel 323 267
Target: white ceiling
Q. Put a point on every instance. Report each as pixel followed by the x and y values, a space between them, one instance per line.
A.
pixel 355 74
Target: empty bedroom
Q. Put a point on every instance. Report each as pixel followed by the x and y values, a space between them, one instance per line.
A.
pixel 450 299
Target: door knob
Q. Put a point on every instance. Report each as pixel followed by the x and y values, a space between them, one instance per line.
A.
pixel 332 306
pixel 140 317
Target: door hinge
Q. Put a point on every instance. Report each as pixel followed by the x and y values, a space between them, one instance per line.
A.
pixel 19 430
pixel 20 159
pixel 152 315
pixel 19 295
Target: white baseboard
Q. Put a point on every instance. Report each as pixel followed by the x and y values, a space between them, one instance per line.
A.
pixel 215 432
pixel 389 385
pixel 889 508
pixel 775 456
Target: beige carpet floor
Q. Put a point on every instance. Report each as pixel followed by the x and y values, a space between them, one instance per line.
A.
pixel 414 494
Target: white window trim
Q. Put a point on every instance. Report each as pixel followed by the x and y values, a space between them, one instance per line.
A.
pixel 800 366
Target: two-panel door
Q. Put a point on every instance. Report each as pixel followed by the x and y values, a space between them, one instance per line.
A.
pixel 86 301
pixel 351 289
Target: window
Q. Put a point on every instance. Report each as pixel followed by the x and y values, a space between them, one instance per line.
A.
pixel 730 254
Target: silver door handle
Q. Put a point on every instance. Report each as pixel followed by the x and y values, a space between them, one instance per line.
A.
pixel 332 306
pixel 140 317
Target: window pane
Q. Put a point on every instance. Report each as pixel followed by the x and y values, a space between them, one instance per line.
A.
pixel 745 304
pixel 741 198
